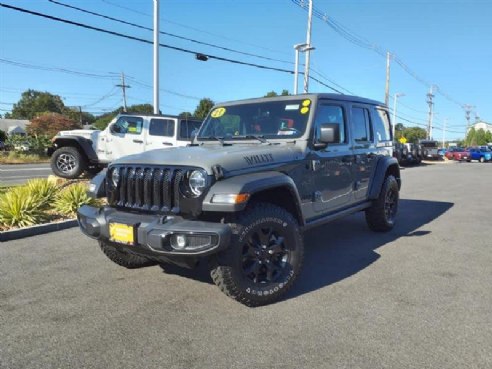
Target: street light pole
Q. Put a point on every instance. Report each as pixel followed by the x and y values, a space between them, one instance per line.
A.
pixel 297 48
pixel 308 49
pixel 395 99
pixel 156 56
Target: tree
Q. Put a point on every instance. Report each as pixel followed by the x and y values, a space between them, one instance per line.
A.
pixel 204 106
pixel 412 134
pixel 33 103
pixel 102 121
pixel 273 93
pixel 470 137
pixel 3 135
pixel 78 116
pixel 185 115
pixel 49 124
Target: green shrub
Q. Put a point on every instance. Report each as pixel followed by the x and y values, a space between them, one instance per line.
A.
pixel 19 208
pixel 73 197
pixel 44 189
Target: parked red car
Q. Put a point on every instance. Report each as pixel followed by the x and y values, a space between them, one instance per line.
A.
pixel 457 153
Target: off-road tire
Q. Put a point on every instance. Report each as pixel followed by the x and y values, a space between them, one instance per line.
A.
pixel 68 162
pixel 380 217
pixel 129 261
pixel 265 256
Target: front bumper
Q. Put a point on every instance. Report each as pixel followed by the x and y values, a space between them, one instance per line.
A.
pixel 155 236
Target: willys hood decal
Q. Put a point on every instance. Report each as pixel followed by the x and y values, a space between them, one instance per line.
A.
pixel 230 158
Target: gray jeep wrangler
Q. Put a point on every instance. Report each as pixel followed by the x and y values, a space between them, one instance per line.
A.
pixel 259 173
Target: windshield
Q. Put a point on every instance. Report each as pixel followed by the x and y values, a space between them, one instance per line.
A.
pixel 267 119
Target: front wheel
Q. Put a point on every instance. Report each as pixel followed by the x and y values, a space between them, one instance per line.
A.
pixel 68 162
pixel 380 217
pixel 482 159
pixel 264 258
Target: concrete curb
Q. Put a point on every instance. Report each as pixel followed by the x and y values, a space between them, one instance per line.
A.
pixel 37 230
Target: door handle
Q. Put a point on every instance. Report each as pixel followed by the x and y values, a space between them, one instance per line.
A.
pixel 138 141
pixel 167 143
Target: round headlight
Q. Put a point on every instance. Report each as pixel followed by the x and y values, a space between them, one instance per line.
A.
pixel 115 176
pixel 197 182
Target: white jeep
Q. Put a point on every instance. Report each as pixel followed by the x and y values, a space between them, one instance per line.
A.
pixel 76 151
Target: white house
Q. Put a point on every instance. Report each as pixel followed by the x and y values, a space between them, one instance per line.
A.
pixel 14 126
pixel 482 125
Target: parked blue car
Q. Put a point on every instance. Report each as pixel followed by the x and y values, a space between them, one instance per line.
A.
pixel 480 154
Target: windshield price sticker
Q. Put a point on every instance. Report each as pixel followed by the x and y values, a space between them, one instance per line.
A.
pixel 304 110
pixel 217 113
pixel 306 102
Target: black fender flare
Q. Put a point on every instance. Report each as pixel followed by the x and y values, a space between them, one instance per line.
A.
pixel 251 184
pixel 384 165
pixel 83 144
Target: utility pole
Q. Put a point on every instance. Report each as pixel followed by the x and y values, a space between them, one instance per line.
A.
pixel 430 96
pixel 156 56
pixel 80 117
pixel 387 88
pixel 123 88
pixel 468 109
pixel 308 47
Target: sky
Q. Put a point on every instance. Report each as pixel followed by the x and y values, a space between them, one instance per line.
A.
pixel 443 43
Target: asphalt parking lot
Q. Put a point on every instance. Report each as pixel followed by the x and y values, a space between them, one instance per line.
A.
pixel 417 297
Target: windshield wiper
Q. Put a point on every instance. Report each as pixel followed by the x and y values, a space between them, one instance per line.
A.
pixel 260 138
pixel 217 138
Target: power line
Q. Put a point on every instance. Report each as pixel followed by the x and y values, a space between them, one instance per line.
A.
pixel 102 30
pixel 192 28
pixel 53 69
pixel 168 34
pixel 364 43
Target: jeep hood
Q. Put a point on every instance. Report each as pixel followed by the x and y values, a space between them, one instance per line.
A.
pixel 90 134
pixel 230 158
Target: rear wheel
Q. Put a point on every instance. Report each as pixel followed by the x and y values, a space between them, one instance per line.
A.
pixel 264 259
pixel 482 159
pixel 68 162
pixel 380 217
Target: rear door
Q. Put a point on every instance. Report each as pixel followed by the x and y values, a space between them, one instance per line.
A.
pixel 186 128
pixel 331 167
pixel 161 133
pixel 364 147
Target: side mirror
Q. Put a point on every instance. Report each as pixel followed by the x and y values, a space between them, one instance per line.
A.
pixel 329 133
pixel 113 128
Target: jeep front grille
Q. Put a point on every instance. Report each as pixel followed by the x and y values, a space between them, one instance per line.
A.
pixel 153 189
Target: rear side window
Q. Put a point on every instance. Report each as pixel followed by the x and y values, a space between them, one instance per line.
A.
pixel 361 125
pixel 382 126
pixel 161 127
pixel 187 127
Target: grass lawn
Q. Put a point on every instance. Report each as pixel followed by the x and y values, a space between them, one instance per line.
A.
pixel 14 157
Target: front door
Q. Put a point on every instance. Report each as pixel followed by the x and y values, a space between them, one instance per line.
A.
pixel 332 166
pixel 125 137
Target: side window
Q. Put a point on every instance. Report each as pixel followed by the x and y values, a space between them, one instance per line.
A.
pixel 327 113
pixel 382 126
pixel 130 125
pixel 187 127
pixel 161 127
pixel 361 125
